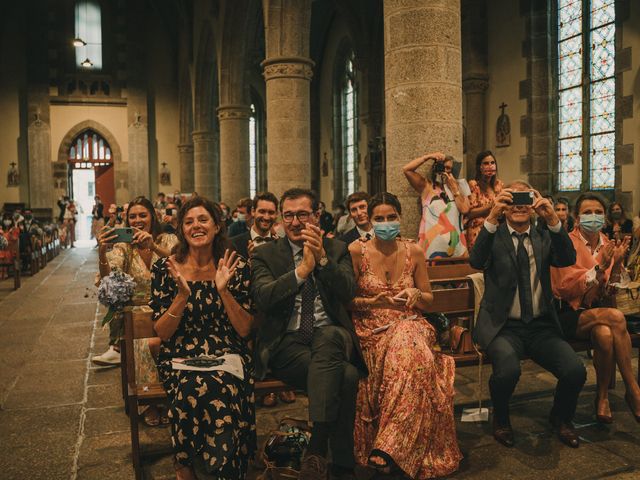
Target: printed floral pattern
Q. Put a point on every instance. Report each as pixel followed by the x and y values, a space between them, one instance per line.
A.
pixel 405 405
pixel 212 413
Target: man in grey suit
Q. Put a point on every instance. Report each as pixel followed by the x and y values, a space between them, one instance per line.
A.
pixel 517 317
pixel 302 284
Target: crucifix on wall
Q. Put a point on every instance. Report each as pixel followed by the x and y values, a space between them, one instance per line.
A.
pixel 503 128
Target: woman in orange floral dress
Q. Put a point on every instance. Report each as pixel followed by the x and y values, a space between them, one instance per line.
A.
pixel 404 420
pixel 483 190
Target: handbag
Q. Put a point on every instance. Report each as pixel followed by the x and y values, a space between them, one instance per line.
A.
pixel 284 449
pixel 627 298
pixel 460 340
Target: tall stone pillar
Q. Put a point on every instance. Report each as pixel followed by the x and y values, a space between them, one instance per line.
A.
pixel 288 72
pixel 234 152
pixel 474 92
pixel 423 91
pixel 138 136
pixel 185 154
pixel 40 169
pixel 205 164
pixel 475 78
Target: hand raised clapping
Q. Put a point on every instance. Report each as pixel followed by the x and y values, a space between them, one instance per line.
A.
pixel 183 285
pixel 226 269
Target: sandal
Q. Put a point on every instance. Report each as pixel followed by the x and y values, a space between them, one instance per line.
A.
pixel 386 468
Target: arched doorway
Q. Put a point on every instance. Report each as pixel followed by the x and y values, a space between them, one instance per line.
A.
pixel 90 173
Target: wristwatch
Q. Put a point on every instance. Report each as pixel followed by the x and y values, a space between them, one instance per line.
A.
pixel 324 260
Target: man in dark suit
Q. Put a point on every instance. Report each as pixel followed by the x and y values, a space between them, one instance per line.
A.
pixel 357 206
pixel 264 211
pixel 302 284
pixel 517 317
pixel 244 220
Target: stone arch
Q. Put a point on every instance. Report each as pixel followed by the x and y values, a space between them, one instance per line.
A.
pixel 61 165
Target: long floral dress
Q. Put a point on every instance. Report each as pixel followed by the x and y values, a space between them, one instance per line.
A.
pixel 212 413
pixel 405 405
pixel 479 199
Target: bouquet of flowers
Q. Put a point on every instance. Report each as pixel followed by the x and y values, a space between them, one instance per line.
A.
pixel 115 290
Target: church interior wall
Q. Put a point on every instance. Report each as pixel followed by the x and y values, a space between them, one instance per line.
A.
pixel 12 76
pixel 507 67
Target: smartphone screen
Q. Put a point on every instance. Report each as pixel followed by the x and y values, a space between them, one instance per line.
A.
pixel 169 212
pixel 522 198
pixel 124 235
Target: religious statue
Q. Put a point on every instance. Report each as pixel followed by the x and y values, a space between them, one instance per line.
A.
pixel 503 128
pixel 13 176
pixel 165 174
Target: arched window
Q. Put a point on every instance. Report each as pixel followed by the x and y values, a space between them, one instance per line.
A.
pixel 586 94
pixel 89 150
pixel 88 30
pixel 253 152
pixel 349 127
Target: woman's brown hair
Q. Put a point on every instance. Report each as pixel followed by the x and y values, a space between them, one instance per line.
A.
pixel 146 203
pixel 220 242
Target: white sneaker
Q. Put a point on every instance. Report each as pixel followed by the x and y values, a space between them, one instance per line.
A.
pixel 108 358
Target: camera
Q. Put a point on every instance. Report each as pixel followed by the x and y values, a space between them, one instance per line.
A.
pixel 119 209
pixel 169 212
pixel 438 167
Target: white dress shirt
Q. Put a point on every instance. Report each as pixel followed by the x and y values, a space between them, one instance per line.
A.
pixel 363 233
pixel 536 287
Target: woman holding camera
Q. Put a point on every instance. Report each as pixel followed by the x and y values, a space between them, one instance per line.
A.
pixel 484 189
pixel 404 419
pixel 444 200
pixel 201 304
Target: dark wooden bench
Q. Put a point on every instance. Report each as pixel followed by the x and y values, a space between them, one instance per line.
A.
pixel 13 266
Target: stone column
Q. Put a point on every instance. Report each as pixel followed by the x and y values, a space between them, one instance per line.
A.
pixel 185 154
pixel 474 92
pixel 205 164
pixel 423 91
pixel 138 156
pixel 234 152
pixel 40 170
pixel 288 72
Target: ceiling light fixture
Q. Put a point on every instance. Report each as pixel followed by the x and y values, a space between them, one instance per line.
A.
pixel 87 63
pixel 78 42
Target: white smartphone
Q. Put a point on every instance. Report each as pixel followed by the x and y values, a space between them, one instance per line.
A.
pixel 386 327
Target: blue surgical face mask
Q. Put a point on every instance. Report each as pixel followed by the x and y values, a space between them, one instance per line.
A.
pixel 386 230
pixel 591 222
pixel 241 217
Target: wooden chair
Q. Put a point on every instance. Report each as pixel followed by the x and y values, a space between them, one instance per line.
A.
pixel 449 272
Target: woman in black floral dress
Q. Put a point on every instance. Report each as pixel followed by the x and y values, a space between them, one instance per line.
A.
pixel 201 303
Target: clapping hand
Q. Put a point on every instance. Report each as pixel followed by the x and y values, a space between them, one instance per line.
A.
pixel 226 269
pixel 183 286
pixel 312 236
pixel 606 254
pixel 620 249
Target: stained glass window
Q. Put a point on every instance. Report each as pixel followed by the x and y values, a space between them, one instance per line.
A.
pixel 349 128
pixel 88 30
pixel 91 148
pixel 253 152
pixel 586 100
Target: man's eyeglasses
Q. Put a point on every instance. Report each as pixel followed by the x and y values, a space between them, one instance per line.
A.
pixel 302 216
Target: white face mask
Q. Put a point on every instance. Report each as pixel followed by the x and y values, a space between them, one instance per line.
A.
pixel 241 217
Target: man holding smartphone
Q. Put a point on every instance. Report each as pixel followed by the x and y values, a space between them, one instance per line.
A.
pixel 170 218
pixel 517 318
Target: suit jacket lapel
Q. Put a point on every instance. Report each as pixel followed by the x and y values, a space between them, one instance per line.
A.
pixel 536 241
pixel 503 234
pixel 286 255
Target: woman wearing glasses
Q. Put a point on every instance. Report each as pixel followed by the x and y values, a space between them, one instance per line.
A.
pixel 444 200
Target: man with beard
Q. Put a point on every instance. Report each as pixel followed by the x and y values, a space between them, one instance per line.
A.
pixel 357 204
pixel 264 210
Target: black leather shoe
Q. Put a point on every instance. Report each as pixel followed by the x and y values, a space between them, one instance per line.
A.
pixel 566 433
pixel 313 467
pixel 503 434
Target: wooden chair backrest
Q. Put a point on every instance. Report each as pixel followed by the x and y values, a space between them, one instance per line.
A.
pixel 138 324
pixel 454 302
pixel 447 260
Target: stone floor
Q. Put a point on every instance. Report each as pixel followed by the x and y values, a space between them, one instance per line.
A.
pixel 61 418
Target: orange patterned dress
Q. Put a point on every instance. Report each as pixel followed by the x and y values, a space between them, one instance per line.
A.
pixel 478 199
pixel 405 406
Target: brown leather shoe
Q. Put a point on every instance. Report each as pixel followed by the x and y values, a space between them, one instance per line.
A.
pixel 566 433
pixel 503 434
pixel 313 467
pixel 269 400
pixel 287 397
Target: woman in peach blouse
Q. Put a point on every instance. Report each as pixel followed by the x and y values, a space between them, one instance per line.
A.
pixel 483 190
pixel 583 292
